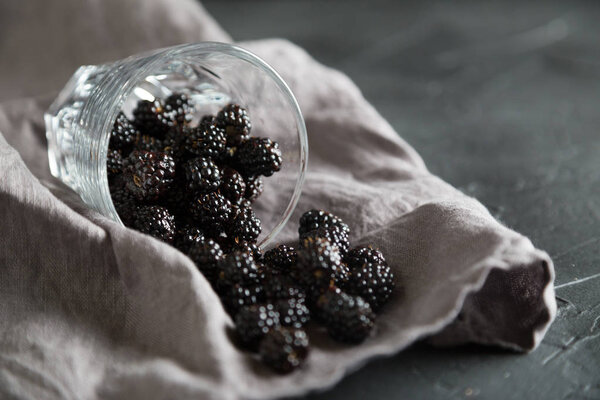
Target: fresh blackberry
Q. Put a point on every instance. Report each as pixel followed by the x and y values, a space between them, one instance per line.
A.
pixel 114 163
pixel 123 134
pixel 315 219
pixel 238 296
pixel 236 123
pixel 373 282
pixel 124 202
pixel 237 268
pixel 284 349
pixel 155 221
pixel 359 256
pixel 252 323
pixel 232 186
pixel 207 255
pixel 254 187
pixel 336 236
pixel 319 266
pixel 201 175
pixel 179 108
pixel 206 140
pixel 211 210
pixel 292 312
pixel 187 236
pixel 244 225
pixel 149 175
pixel 150 119
pixel 246 247
pixel 348 319
pixel 282 257
pixel 148 143
pixel 258 156
pixel 281 287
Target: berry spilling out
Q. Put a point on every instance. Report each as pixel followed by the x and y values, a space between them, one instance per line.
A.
pixel 194 186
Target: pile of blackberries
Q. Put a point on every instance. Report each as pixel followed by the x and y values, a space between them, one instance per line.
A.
pixel 193 187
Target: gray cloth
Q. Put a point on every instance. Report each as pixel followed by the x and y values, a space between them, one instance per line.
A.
pixel 92 310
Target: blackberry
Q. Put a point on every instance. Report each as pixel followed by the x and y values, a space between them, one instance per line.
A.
pixel 315 219
pixel 123 134
pixel 359 256
pixel 373 282
pixel 319 266
pixel 281 287
pixel 187 236
pixel 149 175
pixel 246 247
pixel 207 255
pixel 237 268
pixel 238 296
pixel 282 257
pixel 284 349
pixel 124 202
pixel 244 225
pixel 179 108
pixel 232 186
pixel 155 221
pixel 292 312
pixel 150 119
pixel 252 323
pixel 177 201
pixel 254 187
pixel 258 156
pixel 206 140
pixel 348 319
pixel 148 143
pixel 211 210
pixel 201 175
pixel 114 163
pixel 235 121
pixel 336 236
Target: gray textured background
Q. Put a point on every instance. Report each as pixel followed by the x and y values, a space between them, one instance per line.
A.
pixel 501 99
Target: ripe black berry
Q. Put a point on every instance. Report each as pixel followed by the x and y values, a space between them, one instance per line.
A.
pixel 232 186
pixel 348 318
pixel 319 266
pixel 201 175
pixel 252 323
pixel 155 221
pixel 206 140
pixel 244 225
pixel 211 210
pixel 123 134
pixel 282 257
pixel 284 349
pixel 206 255
pixel 278 287
pixel 315 219
pixel 373 282
pixel 149 118
pixel 254 187
pixel 238 296
pixel 258 156
pixel 244 246
pixel 359 256
pixel 187 236
pixel 179 108
pixel 114 163
pixel 293 312
pixel 336 236
pixel 236 123
pixel 237 268
pixel 149 175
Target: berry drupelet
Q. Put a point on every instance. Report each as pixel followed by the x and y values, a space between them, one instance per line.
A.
pixel 234 120
pixel 149 175
pixel 201 175
pixel 284 349
pixel 258 156
pixel 254 187
pixel 315 219
pixel 252 323
pixel 348 319
pixel 155 221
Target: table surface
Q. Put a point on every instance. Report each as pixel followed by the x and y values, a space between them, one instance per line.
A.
pixel 501 100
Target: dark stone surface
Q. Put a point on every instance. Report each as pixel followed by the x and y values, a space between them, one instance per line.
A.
pixel 502 100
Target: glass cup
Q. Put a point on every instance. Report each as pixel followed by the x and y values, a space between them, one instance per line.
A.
pixel 79 122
